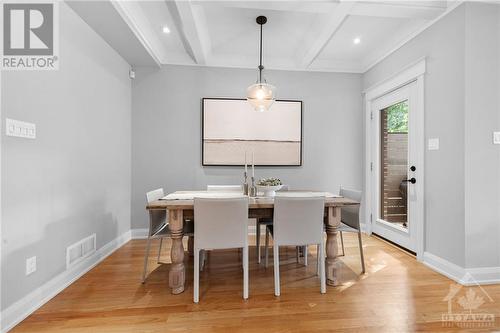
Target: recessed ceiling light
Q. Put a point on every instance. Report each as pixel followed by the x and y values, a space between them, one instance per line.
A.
pixel 357 40
pixel 165 29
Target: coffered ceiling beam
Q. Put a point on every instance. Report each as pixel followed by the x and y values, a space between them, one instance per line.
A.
pixel 324 32
pixel 396 10
pixel 134 17
pixel 305 6
pixel 191 24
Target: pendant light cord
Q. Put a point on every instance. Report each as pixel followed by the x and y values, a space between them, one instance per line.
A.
pixel 260 65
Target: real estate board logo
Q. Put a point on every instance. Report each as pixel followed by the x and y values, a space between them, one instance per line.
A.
pixel 470 300
pixel 30 36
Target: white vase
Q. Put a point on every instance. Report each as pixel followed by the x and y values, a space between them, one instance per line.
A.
pixel 269 191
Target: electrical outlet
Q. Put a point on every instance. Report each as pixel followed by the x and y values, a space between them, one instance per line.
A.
pixel 30 265
pixel 433 144
pixel 496 138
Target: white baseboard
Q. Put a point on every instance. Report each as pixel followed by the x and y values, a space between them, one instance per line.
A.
pixel 444 267
pixel 143 233
pixel 139 233
pixel 364 228
pixel 21 309
pixel 482 275
pixel 464 276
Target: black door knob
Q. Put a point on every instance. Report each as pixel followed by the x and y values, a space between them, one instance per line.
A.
pixel 411 180
pixel 412 168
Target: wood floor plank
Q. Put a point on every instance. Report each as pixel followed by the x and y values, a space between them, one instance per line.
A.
pixel 397 294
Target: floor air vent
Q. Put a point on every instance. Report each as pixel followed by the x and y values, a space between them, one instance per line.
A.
pixel 80 250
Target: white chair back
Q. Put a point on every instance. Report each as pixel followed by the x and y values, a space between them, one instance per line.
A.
pixel 225 188
pixel 284 188
pixel 350 214
pixel 221 223
pixel 157 218
pixel 298 220
pixel 154 195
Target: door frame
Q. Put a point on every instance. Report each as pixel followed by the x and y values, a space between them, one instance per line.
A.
pixel 405 237
pixel 412 73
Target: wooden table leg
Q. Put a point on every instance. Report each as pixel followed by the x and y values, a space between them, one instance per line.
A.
pixel 191 246
pixel 332 250
pixel 177 273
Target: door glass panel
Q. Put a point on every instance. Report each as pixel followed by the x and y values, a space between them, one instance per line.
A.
pixel 394 164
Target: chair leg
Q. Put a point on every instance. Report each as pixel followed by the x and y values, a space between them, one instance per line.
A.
pixel 159 251
pixel 203 260
pixel 342 243
pixel 276 253
pixel 257 239
pixel 361 252
pixel 245 272
pixel 146 260
pixel 297 254
pixel 304 251
pixel 318 258
pixel 196 279
pixel 322 274
pixel 266 249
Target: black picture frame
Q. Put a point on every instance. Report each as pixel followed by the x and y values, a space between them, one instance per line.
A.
pixel 241 165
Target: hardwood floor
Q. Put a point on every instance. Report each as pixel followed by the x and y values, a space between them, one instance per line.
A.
pixel 397 294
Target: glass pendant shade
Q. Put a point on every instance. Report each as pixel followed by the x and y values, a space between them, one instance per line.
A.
pixel 261 96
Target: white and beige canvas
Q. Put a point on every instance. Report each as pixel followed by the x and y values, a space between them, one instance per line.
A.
pixel 232 127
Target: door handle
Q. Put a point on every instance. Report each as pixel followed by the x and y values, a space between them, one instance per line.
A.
pixel 411 180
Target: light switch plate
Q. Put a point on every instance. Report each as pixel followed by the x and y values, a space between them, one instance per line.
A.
pixel 20 129
pixel 433 144
pixel 30 265
pixel 496 138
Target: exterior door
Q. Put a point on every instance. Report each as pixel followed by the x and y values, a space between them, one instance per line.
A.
pixel 395 167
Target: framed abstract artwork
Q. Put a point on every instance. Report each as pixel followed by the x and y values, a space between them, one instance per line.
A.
pixel 231 129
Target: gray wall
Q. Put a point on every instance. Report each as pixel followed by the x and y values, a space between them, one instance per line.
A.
pixel 166 129
pixel 74 179
pixel 443 45
pixel 462 89
pixel 482 117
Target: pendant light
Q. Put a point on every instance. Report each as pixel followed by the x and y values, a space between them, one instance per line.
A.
pixel 261 95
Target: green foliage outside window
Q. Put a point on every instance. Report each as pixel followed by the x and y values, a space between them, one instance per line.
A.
pixel 397 118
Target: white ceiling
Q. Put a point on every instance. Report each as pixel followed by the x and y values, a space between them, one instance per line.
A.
pixel 299 35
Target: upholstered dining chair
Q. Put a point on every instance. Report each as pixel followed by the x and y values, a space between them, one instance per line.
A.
pixel 158 227
pixel 289 229
pixel 219 188
pixel 221 223
pixel 266 222
pixel 350 220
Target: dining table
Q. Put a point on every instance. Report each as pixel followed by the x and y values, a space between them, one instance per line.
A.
pixel 180 207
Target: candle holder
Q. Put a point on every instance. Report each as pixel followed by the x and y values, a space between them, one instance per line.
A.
pixel 253 189
pixel 245 183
